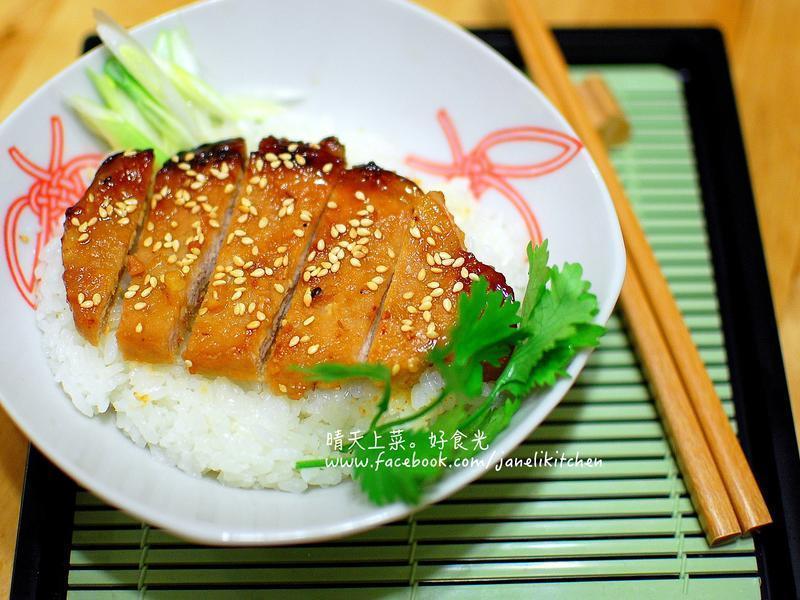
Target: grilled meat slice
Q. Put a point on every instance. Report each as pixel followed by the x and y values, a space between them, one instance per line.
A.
pixel 188 212
pixel 433 268
pixel 349 266
pixel 98 233
pixel 288 185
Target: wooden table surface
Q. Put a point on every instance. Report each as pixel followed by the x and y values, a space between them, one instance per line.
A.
pixel 40 37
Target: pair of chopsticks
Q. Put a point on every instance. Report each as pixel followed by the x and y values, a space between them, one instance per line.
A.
pixel 722 487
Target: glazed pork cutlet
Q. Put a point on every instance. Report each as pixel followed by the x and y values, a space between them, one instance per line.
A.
pixel 189 209
pixel 348 270
pixel 99 231
pixel 432 270
pixel 287 188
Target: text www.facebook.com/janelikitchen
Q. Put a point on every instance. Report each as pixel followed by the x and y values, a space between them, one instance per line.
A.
pixel 454 451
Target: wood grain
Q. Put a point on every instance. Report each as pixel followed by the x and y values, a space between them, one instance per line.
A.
pixel 766 59
pixel 706 488
pixel 39 37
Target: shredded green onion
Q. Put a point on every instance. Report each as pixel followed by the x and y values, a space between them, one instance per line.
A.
pixel 157 99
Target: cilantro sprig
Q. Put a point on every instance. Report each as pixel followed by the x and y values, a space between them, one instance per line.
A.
pixel 538 337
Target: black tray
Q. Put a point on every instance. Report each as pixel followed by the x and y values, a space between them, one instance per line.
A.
pixel 760 394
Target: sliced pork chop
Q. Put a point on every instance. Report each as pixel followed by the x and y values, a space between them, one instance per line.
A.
pixel 288 185
pixel 191 199
pixel 99 231
pixel 348 271
pixel 421 306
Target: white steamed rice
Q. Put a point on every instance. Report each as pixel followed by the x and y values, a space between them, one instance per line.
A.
pixel 243 434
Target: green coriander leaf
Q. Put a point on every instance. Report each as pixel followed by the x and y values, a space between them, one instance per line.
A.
pixel 554 363
pixel 485 331
pixel 332 372
pixel 499 418
pixel 538 274
pixel 558 315
pixel 402 474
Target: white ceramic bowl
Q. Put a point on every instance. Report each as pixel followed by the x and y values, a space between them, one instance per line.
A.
pixel 386 66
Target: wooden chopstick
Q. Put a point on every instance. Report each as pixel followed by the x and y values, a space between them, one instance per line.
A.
pixel 542 55
pixel 700 474
pixel 703 480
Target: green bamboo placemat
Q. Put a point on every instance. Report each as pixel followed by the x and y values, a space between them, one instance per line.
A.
pixel 626 529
